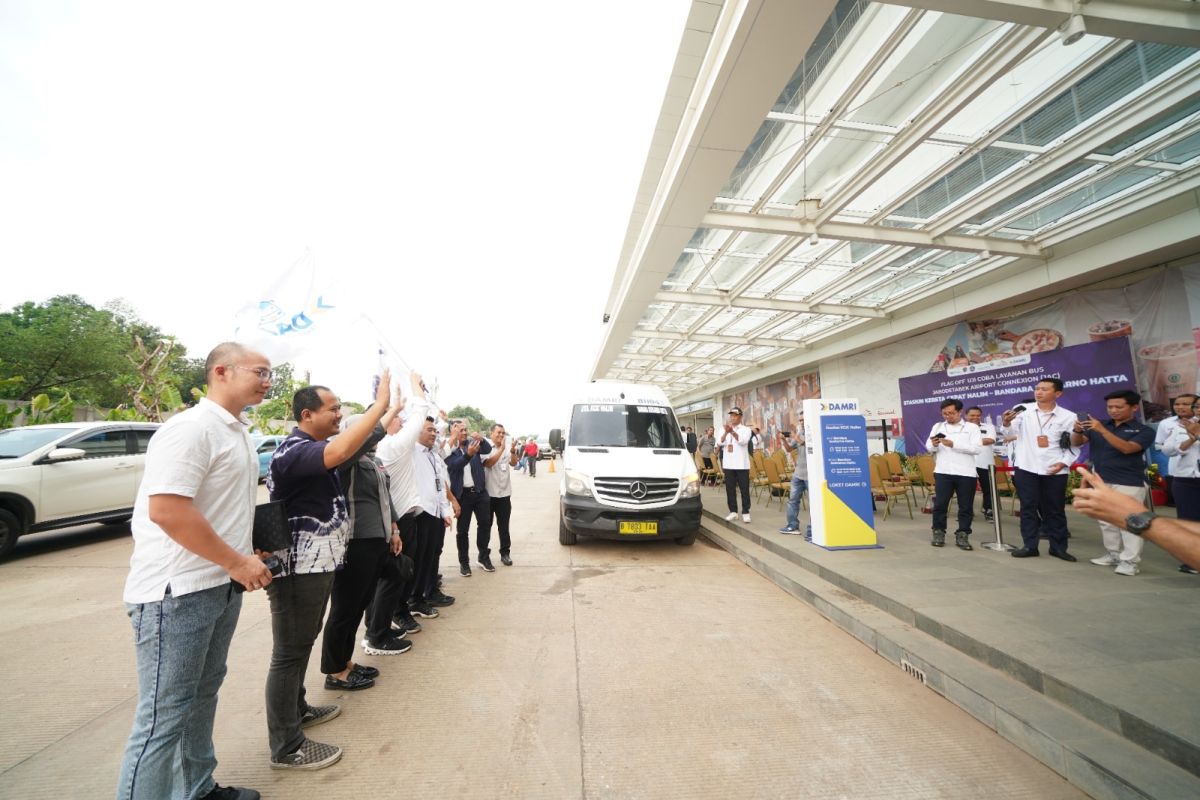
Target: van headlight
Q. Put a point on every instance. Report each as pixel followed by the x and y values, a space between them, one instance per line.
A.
pixel 576 483
pixel 691 485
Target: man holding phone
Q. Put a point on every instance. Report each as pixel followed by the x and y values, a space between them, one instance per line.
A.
pixel 954 443
pixel 799 478
pixel 1118 450
pixel 468 484
pixel 191 533
pixel 1041 463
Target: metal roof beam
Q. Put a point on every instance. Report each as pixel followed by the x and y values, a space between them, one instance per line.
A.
pixel 1127 116
pixel 859 232
pixel 766 304
pixel 996 57
pixel 712 338
pixel 723 362
pixel 1166 21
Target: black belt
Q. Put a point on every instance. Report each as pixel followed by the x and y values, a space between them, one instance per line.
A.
pixel 471 489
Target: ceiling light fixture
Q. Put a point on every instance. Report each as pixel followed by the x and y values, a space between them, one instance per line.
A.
pixel 1074 29
pixel 985 254
pixel 814 240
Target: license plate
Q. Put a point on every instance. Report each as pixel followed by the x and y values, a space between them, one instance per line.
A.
pixel 638 527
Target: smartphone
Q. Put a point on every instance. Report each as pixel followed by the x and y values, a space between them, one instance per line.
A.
pixel 1082 417
pixel 938 436
pixel 1018 409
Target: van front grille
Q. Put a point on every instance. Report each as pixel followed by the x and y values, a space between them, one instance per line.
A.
pixel 639 491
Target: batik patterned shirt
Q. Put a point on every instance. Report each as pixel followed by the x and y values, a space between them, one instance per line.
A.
pixel 315 505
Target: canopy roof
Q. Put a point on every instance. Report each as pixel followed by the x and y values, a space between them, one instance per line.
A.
pixel 911 156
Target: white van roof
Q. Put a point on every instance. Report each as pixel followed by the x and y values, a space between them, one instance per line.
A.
pixel 618 392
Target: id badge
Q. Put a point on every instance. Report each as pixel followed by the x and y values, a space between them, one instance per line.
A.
pixel 1043 441
pixel 729 448
pixel 437 485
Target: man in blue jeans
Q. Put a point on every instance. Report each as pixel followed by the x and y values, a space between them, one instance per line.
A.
pixel 192 523
pixel 795 445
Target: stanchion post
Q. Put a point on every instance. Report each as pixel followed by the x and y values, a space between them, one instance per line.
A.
pixel 996 515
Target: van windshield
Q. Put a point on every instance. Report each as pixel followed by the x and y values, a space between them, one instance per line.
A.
pixel 603 425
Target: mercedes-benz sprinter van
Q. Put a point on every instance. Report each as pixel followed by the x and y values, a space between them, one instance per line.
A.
pixel 625 471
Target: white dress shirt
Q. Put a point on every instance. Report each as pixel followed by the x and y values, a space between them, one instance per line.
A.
pixel 431 487
pixel 396 454
pixel 959 459
pixel 1183 462
pixel 986 456
pixel 1032 423
pixel 1165 428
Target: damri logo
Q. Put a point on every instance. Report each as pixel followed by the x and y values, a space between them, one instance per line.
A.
pixel 845 405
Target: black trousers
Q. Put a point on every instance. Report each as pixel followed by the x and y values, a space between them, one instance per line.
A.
pixel 736 479
pixel 1187 497
pixel 1043 508
pixel 391 591
pixel 985 485
pixel 433 531
pixel 474 502
pixel 501 510
pixel 353 590
pixel 532 464
pixel 944 486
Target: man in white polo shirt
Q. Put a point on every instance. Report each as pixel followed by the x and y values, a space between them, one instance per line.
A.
pixel 191 526
pixel 985 459
pixel 954 443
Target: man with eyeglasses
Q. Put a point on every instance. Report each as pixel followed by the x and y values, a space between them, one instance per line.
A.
pixel 303 474
pixel 464 463
pixel 191 527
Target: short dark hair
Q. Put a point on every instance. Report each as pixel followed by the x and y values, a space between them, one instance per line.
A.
pixel 1055 382
pixel 1176 399
pixel 1128 395
pixel 430 419
pixel 974 408
pixel 307 398
pixel 952 402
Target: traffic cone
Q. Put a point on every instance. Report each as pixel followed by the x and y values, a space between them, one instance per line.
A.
pixel 552 464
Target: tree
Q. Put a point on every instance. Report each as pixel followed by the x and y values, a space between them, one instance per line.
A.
pixel 65 344
pixel 277 405
pixel 157 392
pixel 475 419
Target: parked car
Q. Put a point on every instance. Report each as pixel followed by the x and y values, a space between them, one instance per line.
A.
pixel 55 476
pixel 545 450
pixel 265 447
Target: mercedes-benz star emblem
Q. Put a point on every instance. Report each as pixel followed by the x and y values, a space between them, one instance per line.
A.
pixel 637 490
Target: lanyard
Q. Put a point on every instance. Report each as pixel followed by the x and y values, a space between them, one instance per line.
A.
pixel 1042 423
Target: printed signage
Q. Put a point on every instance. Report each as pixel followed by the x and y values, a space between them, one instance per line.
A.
pixel 842 512
pixel 1088 372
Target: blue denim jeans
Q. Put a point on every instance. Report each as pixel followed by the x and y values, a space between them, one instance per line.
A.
pixel 793 511
pixel 181 644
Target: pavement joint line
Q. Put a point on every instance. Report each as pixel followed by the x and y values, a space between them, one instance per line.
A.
pixel 949 670
pixel 578 681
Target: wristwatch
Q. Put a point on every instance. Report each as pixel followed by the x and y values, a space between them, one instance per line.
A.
pixel 1139 523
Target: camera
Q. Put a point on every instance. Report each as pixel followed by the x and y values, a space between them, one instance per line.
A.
pixel 1064 440
pixel 786 433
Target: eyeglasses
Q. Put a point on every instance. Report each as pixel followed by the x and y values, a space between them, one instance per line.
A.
pixel 264 373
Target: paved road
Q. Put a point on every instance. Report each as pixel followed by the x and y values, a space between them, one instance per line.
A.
pixel 599 671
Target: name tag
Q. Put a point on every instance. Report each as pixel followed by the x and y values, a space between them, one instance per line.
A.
pixel 437 484
pixel 1043 441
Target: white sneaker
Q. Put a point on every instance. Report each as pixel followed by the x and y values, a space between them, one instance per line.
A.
pixel 731 516
pixel 745 517
pixel 1106 560
pixel 1126 568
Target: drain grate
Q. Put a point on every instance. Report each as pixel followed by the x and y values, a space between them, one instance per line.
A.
pixel 914 670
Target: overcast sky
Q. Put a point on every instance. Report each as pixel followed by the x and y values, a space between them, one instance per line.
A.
pixel 462 173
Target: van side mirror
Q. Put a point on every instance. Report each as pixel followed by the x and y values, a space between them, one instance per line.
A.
pixel 556 439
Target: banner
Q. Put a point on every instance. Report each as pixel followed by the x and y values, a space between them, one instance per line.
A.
pixel 842 512
pixel 1159 316
pixel 775 408
pixel 1088 372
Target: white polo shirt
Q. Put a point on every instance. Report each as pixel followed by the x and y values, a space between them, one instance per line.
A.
pixel 1183 462
pixel 738 458
pixel 204 453
pixel 959 459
